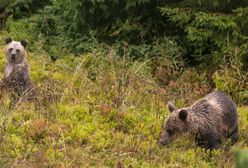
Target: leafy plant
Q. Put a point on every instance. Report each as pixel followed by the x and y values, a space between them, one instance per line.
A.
pixel 241 157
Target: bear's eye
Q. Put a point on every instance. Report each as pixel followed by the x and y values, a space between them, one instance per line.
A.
pixel 17 50
pixel 11 49
pixel 169 132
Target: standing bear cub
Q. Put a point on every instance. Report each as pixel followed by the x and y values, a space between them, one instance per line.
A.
pixel 212 120
pixel 16 73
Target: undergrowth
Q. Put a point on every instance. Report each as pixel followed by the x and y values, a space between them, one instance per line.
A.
pixel 99 110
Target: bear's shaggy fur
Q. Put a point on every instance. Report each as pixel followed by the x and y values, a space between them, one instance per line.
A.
pixel 212 120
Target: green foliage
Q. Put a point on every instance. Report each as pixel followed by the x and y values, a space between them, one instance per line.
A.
pixel 232 77
pixel 241 158
pixel 81 25
pixel 111 20
pixel 214 38
pixel 240 18
pixel 203 30
pixel 24 8
pixel 207 35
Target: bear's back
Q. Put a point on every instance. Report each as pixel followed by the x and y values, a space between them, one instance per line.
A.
pixel 221 101
pixel 217 105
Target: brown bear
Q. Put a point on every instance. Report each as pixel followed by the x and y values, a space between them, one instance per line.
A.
pixel 212 120
pixel 16 73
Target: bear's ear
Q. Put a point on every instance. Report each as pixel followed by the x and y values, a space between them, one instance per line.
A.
pixel 24 43
pixel 183 114
pixel 171 107
pixel 8 40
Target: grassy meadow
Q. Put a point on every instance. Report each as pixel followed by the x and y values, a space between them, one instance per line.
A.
pixel 101 110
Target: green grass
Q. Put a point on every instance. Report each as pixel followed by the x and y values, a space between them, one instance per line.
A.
pixel 98 111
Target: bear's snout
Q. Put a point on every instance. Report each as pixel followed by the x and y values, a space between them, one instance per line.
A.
pixel 13 56
pixel 163 142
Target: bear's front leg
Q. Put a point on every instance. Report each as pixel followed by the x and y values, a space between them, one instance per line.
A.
pixel 207 140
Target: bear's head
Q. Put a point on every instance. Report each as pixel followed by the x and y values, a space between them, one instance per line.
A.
pixel 15 51
pixel 174 125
